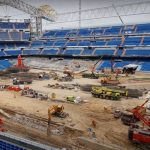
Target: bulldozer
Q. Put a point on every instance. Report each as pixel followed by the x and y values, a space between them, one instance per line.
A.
pixel 57 111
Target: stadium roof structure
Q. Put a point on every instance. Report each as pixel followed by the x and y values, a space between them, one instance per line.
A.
pixel 44 12
pixel 82 13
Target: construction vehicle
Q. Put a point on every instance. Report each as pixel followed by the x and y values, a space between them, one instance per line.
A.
pixel 108 93
pixel 109 81
pixel 128 116
pixel 18 81
pixel 140 134
pixel 34 94
pixel 20 67
pixel 70 98
pixel 1 124
pixel 57 111
pixel 105 93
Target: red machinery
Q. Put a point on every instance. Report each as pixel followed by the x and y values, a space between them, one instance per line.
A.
pixel 1 123
pixel 20 66
pixel 137 134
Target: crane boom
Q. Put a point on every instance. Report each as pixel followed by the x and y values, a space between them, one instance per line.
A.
pixel 136 113
pixel 29 9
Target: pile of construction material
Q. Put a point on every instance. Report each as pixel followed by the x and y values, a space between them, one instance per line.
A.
pixel 64 86
pixel 34 94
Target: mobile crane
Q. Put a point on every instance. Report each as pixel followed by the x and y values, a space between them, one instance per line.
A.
pixel 136 133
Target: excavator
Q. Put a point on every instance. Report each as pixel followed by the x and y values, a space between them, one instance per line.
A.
pixel 57 111
pixel 140 134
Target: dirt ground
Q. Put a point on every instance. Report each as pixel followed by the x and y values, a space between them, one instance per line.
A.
pixel 108 130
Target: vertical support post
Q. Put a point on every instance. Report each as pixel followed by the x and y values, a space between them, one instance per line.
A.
pixel 79 14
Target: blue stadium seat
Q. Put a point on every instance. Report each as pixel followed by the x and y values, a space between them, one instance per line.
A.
pixel 143 28
pixel 31 52
pixel 21 25
pixel 87 52
pixel 99 52
pixel 60 43
pixel 72 52
pixel 37 44
pixel 72 43
pixel 84 32
pixel 119 52
pixel 4 36
pixel 26 36
pixel 145 66
pixel 49 51
pixel 13 52
pixel 62 33
pixel 16 36
pixel 97 31
pixel 146 41
pixel 84 43
pixel 9 146
pixel 132 41
pixel 48 43
pixel 113 30
pixel 2 45
pixel 2 53
pixel 138 52
pixel 49 34
pixel 121 64
pixel 114 42
pixel 104 64
pixel 98 43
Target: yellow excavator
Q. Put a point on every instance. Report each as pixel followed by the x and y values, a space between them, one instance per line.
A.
pixel 57 111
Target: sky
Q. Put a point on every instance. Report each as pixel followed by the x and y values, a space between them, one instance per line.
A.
pixel 103 16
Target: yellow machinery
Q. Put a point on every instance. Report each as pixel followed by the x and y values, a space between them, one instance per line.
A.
pixel 109 81
pixel 56 110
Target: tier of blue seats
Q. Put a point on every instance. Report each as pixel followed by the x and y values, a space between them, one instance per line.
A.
pixel 49 51
pixel 31 52
pixel 146 41
pixel 72 52
pixel 132 41
pixel 4 64
pixel 138 52
pixel 14 35
pixel 2 53
pixel 9 146
pixel 4 36
pixel 13 52
pixel 87 52
pixel 145 66
pixel 114 30
pixel 77 51
pixel 14 25
pixel 101 52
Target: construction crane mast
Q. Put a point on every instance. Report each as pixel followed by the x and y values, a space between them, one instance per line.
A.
pixel 45 12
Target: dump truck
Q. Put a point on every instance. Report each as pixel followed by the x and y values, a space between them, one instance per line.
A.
pixel 101 92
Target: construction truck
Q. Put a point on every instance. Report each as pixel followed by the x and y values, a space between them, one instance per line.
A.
pixel 140 134
pixel 109 81
pixel 18 81
pixel 105 93
pixel 57 111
